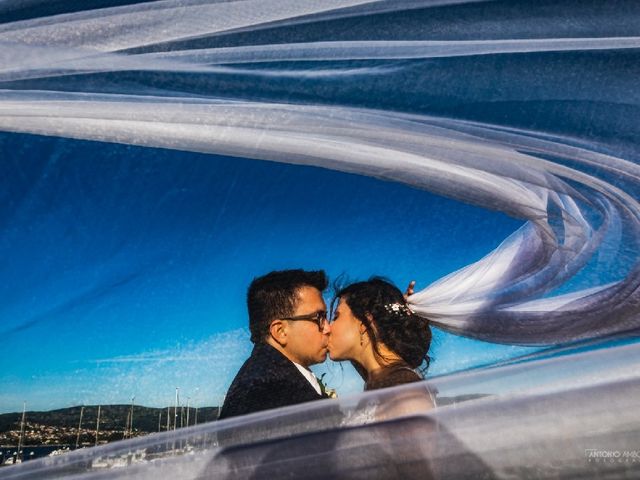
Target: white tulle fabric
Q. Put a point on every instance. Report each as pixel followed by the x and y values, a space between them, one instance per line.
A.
pixel 576 198
pixel 549 416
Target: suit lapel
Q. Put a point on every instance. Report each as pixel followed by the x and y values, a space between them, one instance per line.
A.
pixel 282 366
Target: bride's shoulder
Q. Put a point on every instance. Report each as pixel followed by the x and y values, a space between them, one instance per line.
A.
pixel 393 375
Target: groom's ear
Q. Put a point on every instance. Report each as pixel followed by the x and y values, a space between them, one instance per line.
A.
pixel 278 331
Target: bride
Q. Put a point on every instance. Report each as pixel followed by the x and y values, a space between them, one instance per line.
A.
pixel 374 328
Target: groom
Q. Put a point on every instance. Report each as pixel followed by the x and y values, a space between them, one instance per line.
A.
pixel 289 329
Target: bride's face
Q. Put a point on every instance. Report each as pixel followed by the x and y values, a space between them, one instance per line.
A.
pixel 344 338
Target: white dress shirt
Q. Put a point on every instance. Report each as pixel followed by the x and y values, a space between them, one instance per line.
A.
pixel 308 374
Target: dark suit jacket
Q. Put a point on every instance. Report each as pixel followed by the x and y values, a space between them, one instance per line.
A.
pixel 267 380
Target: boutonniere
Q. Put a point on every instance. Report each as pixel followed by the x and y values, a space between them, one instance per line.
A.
pixel 326 391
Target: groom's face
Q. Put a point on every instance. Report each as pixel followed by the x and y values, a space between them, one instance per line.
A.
pixel 306 343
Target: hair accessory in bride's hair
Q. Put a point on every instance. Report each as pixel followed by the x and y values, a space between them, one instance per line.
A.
pixel 398 309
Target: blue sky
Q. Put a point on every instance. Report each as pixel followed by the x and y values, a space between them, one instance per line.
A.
pixel 124 268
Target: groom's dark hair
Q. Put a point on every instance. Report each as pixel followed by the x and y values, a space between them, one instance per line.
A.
pixel 274 295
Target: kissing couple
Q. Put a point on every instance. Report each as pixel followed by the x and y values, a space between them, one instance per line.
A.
pixel 371 326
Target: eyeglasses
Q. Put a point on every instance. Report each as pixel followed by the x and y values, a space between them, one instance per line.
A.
pixel 320 317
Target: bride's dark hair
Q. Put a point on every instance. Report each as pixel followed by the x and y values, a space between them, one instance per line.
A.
pixel 382 308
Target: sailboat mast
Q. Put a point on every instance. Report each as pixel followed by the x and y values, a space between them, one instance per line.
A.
pixel 126 428
pixel 175 410
pixel 24 410
pixel 79 427
pixel 131 418
pixel 98 425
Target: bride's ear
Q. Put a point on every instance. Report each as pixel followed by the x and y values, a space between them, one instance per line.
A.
pixel 363 327
pixel 371 329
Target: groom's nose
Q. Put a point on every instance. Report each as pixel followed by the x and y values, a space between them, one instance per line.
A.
pixel 326 327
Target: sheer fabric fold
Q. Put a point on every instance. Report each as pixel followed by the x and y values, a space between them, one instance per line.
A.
pixel 275 81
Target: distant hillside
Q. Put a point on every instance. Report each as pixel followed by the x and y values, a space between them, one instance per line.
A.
pixel 112 417
pixel 61 426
